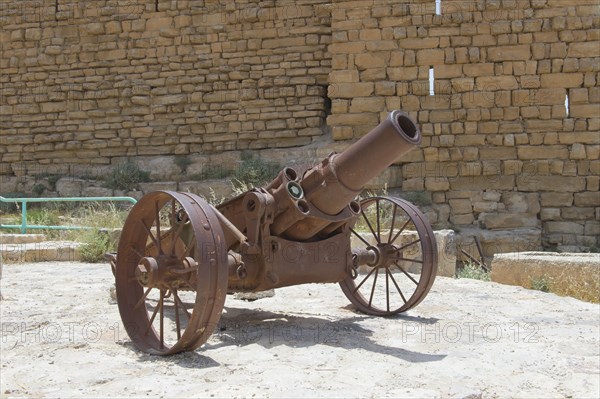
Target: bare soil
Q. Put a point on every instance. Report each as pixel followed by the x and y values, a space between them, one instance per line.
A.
pixel 62 337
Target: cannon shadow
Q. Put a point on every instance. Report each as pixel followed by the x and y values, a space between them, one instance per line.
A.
pixel 241 327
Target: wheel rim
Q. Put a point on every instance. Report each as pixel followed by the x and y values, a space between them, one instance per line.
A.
pixel 171 274
pixel 404 268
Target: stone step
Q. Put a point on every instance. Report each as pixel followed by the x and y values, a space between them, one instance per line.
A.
pixel 45 251
pixel 21 238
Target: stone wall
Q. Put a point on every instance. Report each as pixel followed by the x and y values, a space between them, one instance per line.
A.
pixel 104 79
pixel 499 149
pixel 96 82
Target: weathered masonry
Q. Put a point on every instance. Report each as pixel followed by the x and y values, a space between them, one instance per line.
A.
pixel 506 93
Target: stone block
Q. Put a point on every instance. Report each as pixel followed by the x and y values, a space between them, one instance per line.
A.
pixel 430 57
pixel 521 202
pixel 589 198
pixel 498 241
pixel 565 80
pixel 460 206
pixel 367 104
pixel 93 191
pixel 70 187
pixel 509 53
pixel 437 184
pixel 344 76
pixel 494 83
pixel 543 152
pixel 550 214
pixel 350 90
pixel 571 274
pixel 564 227
pixel 584 49
pixel 592 228
pixel 550 183
pixel 508 220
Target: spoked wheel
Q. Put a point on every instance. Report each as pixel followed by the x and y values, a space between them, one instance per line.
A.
pixel 171 272
pixel 395 256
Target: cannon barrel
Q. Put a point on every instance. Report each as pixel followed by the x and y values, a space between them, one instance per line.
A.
pixel 321 200
pixel 346 174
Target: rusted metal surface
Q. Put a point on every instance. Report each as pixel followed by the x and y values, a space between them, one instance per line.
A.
pixel 295 230
pixel 399 247
pixel 171 243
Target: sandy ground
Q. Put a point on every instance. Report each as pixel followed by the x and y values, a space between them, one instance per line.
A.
pixel 62 338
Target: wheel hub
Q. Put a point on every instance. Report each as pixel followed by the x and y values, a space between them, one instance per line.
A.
pixel 164 271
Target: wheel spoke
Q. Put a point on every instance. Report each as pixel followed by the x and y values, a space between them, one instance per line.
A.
pixel 378 222
pixel 410 260
pixel 360 238
pixel 369 224
pixel 409 244
pixel 173 214
pixel 387 288
pixel 174 237
pixel 142 299
pixel 400 231
pixel 189 249
pixel 393 221
pixel 162 319
pixel 177 322
pixel 138 253
pixel 158 238
pixel 154 240
pixel 176 297
pixel 374 283
pixel 407 275
pixel 156 308
pixel 365 279
pixel 396 284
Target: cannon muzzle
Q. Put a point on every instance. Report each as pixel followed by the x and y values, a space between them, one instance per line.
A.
pixel 331 185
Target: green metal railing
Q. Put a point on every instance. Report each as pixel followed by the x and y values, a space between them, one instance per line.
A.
pixel 24 201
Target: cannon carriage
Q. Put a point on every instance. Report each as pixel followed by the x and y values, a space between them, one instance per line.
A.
pixel 178 256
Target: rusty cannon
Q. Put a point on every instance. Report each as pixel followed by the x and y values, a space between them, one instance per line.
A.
pixel 178 256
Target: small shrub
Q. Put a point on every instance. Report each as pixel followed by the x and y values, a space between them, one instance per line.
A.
pixel 182 161
pixel 38 189
pixel 419 198
pixel 213 199
pixel 594 249
pixel 473 271
pixel 126 177
pixel 43 216
pixel 215 172
pixel 254 171
pixel 541 283
pixel 95 244
pixel 52 180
